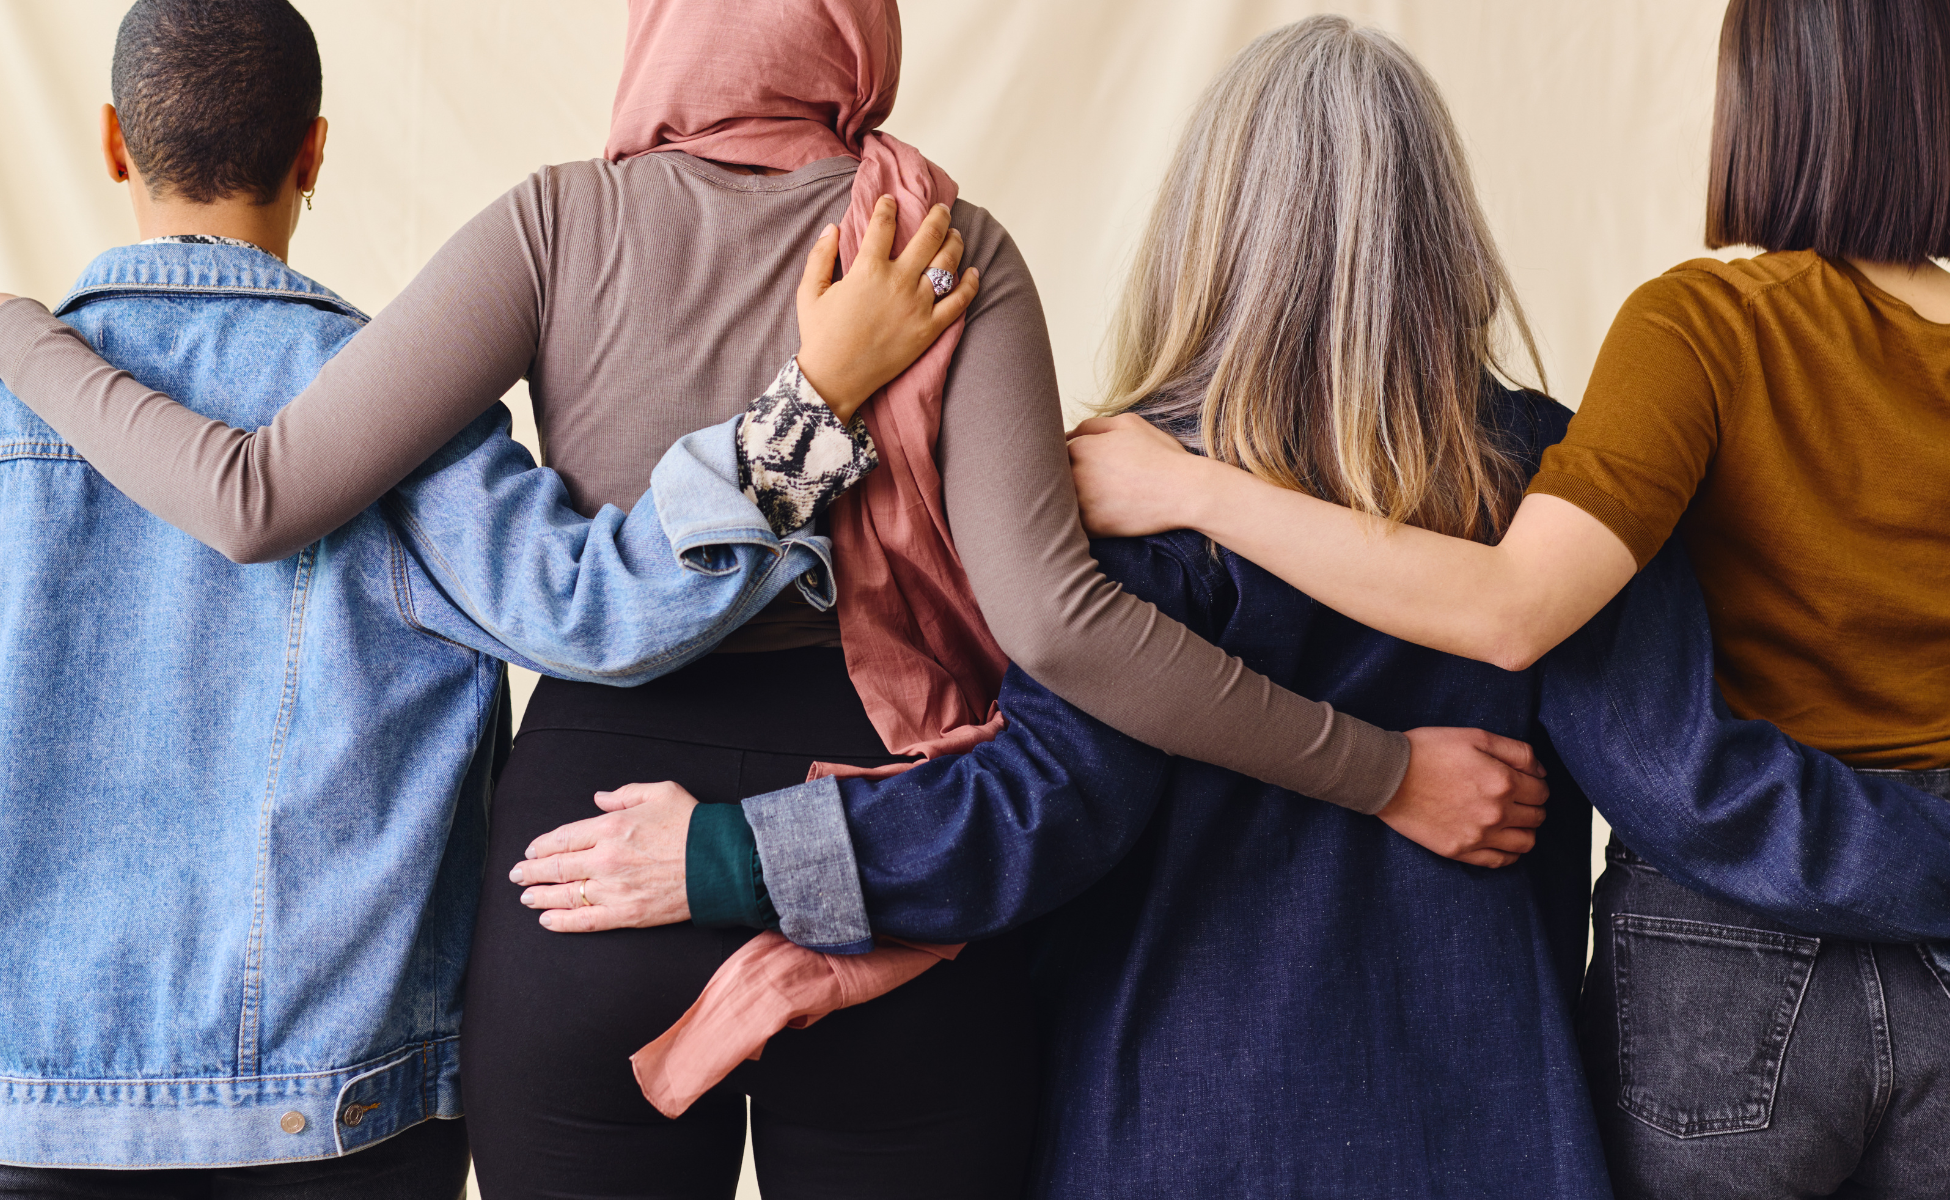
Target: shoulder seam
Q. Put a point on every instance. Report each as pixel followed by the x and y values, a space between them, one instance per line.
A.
pixel 1748 294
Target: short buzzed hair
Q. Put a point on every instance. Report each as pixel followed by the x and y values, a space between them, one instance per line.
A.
pixel 1831 129
pixel 215 96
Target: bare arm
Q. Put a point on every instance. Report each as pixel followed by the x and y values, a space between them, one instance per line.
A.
pixel 1505 604
pixel 1608 496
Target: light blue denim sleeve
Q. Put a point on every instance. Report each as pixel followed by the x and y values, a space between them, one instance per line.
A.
pixel 496 559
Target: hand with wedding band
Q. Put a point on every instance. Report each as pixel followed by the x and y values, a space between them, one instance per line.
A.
pixel 857 334
pixel 621 870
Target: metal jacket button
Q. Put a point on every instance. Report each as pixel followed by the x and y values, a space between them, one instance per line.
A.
pixel 292 1122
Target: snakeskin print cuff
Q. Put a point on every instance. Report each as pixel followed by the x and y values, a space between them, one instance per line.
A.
pixel 794 456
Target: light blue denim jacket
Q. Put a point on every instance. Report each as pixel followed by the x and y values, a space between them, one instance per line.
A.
pixel 243 808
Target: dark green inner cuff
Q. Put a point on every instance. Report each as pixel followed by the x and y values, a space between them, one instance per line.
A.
pixel 722 877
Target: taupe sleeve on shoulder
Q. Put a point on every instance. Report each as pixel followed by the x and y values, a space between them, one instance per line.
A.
pixel 1013 508
pixel 460 335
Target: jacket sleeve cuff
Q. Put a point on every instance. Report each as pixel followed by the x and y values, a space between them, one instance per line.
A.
pixel 700 504
pixel 806 854
pixel 722 877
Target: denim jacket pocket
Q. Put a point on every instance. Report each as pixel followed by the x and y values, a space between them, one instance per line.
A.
pixel 1704 1016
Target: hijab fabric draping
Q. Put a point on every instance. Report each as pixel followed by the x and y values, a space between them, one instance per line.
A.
pixel 783 84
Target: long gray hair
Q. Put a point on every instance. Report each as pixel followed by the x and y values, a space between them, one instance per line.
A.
pixel 1317 295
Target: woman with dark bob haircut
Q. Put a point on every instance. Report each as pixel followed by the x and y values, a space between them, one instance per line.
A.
pixel 1788 416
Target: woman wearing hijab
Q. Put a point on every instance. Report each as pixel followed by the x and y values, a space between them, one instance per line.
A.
pixel 649 294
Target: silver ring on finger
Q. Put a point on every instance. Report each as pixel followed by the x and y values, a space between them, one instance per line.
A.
pixel 582 890
pixel 941 280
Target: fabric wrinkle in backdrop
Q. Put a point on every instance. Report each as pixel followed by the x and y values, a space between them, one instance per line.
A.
pixel 1586 124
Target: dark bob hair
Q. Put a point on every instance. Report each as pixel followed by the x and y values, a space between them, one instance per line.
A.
pixel 1831 130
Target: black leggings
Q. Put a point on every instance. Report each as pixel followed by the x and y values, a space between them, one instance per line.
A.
pixel 927 1091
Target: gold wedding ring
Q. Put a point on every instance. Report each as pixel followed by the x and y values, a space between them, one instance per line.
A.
pixel 582 890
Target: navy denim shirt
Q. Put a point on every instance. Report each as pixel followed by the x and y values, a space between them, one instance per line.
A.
pixel 243 808
pixel 1250 993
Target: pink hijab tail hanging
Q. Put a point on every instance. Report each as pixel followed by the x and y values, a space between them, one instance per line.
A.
pixel 783 84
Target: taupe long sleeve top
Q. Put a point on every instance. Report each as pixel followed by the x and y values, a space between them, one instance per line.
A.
pixel 648 298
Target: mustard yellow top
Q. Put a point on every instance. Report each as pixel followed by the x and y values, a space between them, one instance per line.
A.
pixel 1792 421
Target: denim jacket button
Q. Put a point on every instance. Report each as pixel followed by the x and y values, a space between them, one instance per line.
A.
pixel 292 1122
pixel 355 1113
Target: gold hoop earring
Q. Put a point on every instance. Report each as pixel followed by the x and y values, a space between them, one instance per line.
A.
pixel 307 195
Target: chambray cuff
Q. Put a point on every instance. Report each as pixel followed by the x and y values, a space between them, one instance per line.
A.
pixel 794 456
pixel 722 877
pixel 806 854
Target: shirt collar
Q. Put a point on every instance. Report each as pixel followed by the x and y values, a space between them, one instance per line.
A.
pixel 201 264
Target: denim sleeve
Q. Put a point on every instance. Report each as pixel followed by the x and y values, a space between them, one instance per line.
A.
pixel 1733 808
pixel 971 845
pixel 498 560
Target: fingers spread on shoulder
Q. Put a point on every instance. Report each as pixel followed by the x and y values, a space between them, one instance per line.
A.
pixel 819 264
pixel 951 307
pixel 926 241
pixel 877 245
pixel 948 258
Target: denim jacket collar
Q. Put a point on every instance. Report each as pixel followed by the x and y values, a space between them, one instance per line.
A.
pixel 201 268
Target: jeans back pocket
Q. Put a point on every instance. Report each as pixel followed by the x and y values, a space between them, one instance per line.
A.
pixel 1704 1015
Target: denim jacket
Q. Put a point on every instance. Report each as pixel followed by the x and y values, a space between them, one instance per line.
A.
pixel 243 808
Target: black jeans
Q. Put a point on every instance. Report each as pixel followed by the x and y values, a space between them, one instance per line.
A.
pixel 928 1091
pixel 426 1162
pixel 1730 1056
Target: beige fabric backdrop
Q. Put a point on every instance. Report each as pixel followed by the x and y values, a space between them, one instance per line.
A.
pixel 1587 123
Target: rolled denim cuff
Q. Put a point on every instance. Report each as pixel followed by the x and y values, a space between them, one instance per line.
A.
pixel 815 582
pixel 810 873
pixel 700 503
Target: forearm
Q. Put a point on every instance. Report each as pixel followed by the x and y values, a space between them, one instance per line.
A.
pixel 609 598
pixel 1505 604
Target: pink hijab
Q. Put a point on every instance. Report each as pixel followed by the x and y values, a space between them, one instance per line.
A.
pixel 783 84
